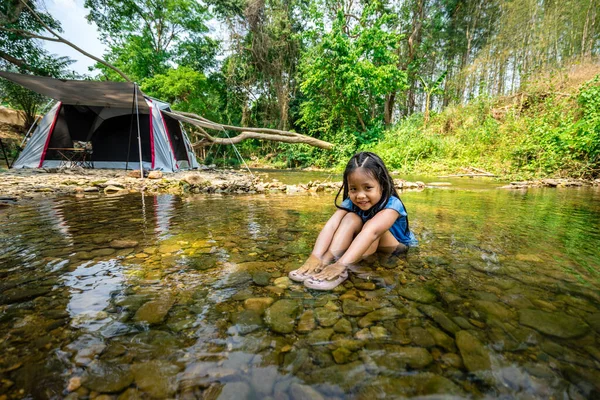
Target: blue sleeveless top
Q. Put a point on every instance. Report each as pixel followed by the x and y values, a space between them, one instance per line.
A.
pixel 400 228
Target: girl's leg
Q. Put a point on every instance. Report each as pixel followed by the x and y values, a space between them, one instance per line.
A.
pixel 387 243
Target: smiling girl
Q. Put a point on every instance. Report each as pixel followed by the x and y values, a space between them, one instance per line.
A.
pixel 371 217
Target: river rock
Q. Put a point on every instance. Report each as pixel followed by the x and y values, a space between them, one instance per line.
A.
pixel 155 311
pixel 417 293
pixel 440 317
pixel 246 321
pixel 235 391
pixel 258 304
pixel 123 244
pixel 594 321
pixel 428 385
pixel 327 317
pixel 555 324
pixel 396 358
pixel 475 356
pixel 261 278
pixel 304 392
pixel 102 252
pixel 263 380
pixel 341 355
pixel 319 336
pixel 155 175
pixel 156 378
pixel 306 323
pixel 281 316
pixel 169 248
pixel 421 337
pixel 23 294
pixel 106 377
pixel 357 308
pixel 495 309
pixel 383 314
pixel 343 326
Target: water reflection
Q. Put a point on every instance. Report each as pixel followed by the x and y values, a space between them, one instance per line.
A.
pixel 169 297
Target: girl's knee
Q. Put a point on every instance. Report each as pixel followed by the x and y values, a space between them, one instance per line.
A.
pixel 352 219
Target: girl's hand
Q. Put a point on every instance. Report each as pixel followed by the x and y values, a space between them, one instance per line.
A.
pixel 330 272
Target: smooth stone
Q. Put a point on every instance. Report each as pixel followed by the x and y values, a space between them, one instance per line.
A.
pixel 475 356
pixel 304 392
pixel 326 317
pixel 378 332
pixel 263 380
pixel 235 391
pixel 319 336
pixel 383 314
pixel 246 321
pixel 423 386
pixel 306 323
pixel 123 244
pixel 417 293
pixel 283 282
pixel 365 286
pixel 452 360
pixel 421 337
pixel 495 309
pixel 396 358
pixel 155 377
pixel 440 317
pixel 22 294
pixel 102 252
pixel 555 324
pixel 341 355
pixel 106 378
pixel 281 316
pixel 169 248
pixel 261 278
pixel 258 304
pixel 343 326
pixel 594 321
pixel 358 308
pixel 154 311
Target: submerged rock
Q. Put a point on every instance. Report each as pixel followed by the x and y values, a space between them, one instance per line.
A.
pixel 281 316
pixel 555 324
pixel 106 377
pixel 475 356
pixel 155 311
pixel 156 378
pixel 417 293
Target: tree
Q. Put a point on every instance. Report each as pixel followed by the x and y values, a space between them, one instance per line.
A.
pixel 147 37
pixel 431 88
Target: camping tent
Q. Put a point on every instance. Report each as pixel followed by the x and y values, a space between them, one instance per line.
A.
pixel 104 117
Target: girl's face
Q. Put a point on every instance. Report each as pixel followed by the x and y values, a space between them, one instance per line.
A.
pixel 364 190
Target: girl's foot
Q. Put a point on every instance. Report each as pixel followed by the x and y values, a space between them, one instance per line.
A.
pixel 328 279
pixel 311 266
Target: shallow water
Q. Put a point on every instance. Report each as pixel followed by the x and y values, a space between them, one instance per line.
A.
pixel 168 297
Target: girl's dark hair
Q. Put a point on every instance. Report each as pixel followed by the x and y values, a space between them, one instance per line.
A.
pixel 371 163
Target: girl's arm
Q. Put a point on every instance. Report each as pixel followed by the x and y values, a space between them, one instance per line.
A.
pixel 377 226
pixel 326 236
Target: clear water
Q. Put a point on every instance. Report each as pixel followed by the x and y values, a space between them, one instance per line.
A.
pixel 501 299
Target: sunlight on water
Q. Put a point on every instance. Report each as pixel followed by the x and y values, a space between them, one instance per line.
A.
pixel 168 297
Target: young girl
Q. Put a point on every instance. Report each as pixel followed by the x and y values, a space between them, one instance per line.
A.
pixel 371 217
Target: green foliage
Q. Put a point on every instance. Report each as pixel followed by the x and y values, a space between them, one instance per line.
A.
pixel 346 76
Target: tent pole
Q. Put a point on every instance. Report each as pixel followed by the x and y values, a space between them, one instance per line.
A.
pixel 130 129
pixel 4 152
pixel 137 113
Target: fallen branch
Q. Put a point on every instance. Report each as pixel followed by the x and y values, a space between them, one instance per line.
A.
pixel 469 175
pixel 275 135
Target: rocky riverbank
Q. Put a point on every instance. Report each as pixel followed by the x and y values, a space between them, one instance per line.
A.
pixel 28 184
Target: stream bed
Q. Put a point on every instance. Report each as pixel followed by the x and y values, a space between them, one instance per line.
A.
pixel 134 297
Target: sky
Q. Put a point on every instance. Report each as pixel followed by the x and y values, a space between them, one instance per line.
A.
pixel 77 30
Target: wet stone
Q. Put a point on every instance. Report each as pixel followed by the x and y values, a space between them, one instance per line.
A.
pixel 304 392
pixel 306 322
pixel 555 324
pixel 594 321
pixel 441 339
pixel 155 311
pixel 494 309
pixel 235 391
pixel 327 317
pixel 102 252
pixel 475 356
pixel 421 337
pixel 107 377
pixel 157 378
pixel 342 326
pixel 22 294
pixel 395 358
pixel 246 321
pixel 320 336
pixel 440 317
pixel 281 316
pixel 261 278
pixel 383 314
pixel 263 380
pixel 358 308
pixel 123 243
pixel 417 293
pixel 258 304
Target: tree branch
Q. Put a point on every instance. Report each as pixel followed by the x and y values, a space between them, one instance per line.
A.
pixel 29 34
pixel 65 41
